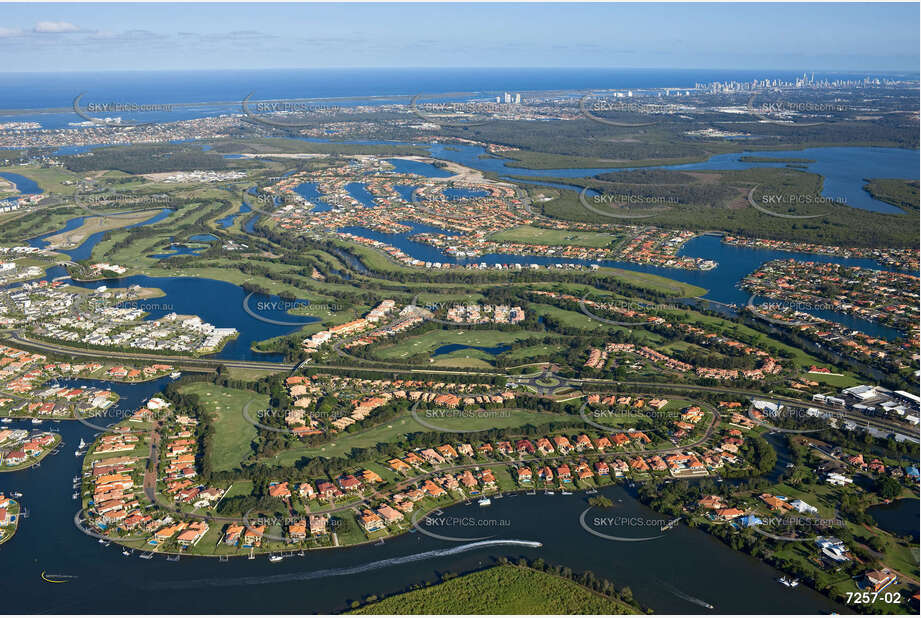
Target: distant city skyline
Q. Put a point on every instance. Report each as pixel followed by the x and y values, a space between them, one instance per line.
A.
pixel 112 37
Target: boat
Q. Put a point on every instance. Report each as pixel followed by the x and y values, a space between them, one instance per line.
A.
pixel 565 493
pixel 549 493
pixel 16 494
pixel 82 444
pixel 101 541
pixel 7 420
pixel 76 479
pixel 78 453
pixel 76 495
pixel 276 558
pixel 175 375
pixel 484 501
pixel 789 582
pixel 301 553
pixel 125 552
pixel 670 524
pixel 36 421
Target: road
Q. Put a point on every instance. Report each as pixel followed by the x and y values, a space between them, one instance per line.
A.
pixel 18 340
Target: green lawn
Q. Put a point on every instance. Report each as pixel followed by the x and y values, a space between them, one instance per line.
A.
pixel 500 590
pixel 432 340
pixel 404 424
pixel 233 434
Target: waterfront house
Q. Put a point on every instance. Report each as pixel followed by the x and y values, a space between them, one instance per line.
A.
pixel 524 475
pixel 318 524
pixel 637 463
pixel 370 521
pixel 775 503
pixel 657 463
pixel 253 536
pixel 389 514
pixel 877 580
pixel 620 467
pixel 564 474
pixel 833 549
pixel 468 480
pixel 193 534
pixel 803 507
pixel 297 531
pixel 433 490
pixel 711 502
pixel 729 514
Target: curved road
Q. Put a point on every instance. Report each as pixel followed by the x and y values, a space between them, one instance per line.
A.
pixel 205 364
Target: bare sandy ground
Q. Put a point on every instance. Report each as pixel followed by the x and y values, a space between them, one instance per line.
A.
pixel 92 225
pixel 461 173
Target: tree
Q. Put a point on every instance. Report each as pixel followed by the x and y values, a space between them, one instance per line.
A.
pixel 888 488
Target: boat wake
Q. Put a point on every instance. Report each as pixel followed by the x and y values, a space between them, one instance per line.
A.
pixel 362 568
pixel 686 597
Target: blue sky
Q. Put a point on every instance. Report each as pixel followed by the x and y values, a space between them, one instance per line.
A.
pixel 67 37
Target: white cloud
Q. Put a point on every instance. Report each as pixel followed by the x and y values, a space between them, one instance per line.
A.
pixel 55 27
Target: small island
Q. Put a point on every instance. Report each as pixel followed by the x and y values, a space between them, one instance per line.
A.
pixel 506 588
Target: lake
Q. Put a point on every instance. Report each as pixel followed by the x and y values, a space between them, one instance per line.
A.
pixel 899 517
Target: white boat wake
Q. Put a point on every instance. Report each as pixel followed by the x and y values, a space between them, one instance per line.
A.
pixel 686 597
pixel 362 568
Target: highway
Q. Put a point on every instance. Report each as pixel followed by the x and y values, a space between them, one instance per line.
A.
pixel 16 339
